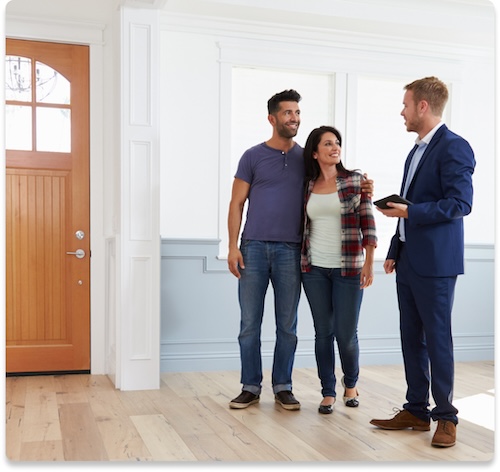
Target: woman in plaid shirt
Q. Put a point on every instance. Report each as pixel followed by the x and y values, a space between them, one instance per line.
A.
pixel 338 225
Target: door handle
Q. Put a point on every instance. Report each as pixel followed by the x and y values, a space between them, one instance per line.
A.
pixel 79 253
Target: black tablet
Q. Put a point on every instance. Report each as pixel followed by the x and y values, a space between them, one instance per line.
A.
pixel 382 203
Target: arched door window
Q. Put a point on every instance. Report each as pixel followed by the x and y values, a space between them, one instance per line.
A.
pixel 38 118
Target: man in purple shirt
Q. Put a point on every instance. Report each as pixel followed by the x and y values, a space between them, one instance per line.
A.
pixel 270 176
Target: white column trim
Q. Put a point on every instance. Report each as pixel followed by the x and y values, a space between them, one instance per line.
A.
pixel 138 313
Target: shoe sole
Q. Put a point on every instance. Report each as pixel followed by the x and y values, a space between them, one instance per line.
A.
pixel 442 444
pixel 288 407
pixel 415 428
pixel 240 406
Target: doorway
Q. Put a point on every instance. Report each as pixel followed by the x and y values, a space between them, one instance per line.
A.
pixel 48 207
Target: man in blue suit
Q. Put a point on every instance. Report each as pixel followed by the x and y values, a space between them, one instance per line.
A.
pixel 427 253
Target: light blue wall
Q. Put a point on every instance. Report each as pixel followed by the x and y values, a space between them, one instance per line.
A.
pixel 200 312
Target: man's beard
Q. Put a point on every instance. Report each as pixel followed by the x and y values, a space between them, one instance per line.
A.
pixel 286 132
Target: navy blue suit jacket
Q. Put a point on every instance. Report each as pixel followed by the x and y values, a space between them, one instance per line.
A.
pixel 441 193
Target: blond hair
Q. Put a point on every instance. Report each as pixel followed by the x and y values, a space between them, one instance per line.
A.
pixel 432 90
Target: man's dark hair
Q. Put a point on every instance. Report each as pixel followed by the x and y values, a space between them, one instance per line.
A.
pixel 273 104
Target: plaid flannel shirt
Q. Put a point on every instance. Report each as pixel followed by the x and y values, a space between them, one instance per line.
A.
pixel 357 221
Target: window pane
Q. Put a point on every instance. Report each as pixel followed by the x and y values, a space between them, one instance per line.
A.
pixel 18 78
pixel 18 128
pixel 51 86
pixel 53 132
pixel 382 143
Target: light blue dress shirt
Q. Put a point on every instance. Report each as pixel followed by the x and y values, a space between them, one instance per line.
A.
pixel 422 145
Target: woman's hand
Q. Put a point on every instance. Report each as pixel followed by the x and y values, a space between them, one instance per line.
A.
pixel 366 277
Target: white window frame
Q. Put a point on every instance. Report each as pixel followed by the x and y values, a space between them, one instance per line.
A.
pixel 346 66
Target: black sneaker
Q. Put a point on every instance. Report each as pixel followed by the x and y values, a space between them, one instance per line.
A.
pixel 286 399
pixel 244 399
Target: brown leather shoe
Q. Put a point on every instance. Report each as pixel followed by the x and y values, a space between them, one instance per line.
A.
pixel 445 435
pixel 403 420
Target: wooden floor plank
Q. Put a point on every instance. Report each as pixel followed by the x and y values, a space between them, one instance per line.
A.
pixel 81 438
pixel 44 451
pixel 135 403
pixel 161 439
pixel 15 399
pixel 120 438
pixel 70 388
pixel 41 414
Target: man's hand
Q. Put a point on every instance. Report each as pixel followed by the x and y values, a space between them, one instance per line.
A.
pixel 396 210
pixel 389 266
pixel 235 261
pixel 367 186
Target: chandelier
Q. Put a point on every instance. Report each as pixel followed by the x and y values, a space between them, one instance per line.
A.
pixel 20 72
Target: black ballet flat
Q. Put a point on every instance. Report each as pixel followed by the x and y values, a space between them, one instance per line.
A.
pixel 326 409
pixel 351 402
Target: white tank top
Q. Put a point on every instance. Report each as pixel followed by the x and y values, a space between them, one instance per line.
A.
pixel 325 236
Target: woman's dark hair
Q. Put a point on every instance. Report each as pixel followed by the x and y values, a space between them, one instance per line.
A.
pixel 312 169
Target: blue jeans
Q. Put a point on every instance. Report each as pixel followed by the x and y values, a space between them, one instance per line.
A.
pixel 279 263
pixel 335 302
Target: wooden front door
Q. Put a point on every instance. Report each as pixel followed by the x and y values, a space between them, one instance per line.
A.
pixel 47 194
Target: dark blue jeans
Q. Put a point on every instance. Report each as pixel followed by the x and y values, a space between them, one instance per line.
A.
pixel 335 302
pixel 279 263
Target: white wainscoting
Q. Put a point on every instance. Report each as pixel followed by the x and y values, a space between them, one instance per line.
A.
pixel 200 312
